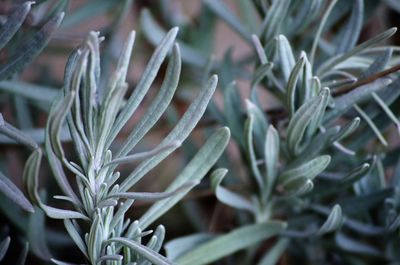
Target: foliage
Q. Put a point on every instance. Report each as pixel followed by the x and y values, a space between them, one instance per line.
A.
pixel 312 172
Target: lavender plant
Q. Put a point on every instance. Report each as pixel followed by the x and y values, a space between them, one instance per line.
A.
pixel 307 161
pixel 94 119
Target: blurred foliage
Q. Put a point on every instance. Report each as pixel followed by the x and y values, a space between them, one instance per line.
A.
pixel 309 90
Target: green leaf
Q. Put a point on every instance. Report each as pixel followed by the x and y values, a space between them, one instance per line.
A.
pixel 153 32
pixel 226 196
pixel 180 132
pixel 30 48
pixel 352 30
pixel 333 222
pixel 87 11
pixel 158 105
pixel 15 134
pixel 233 111
pixel 302 118
pixel 193 172
pixel 331 63
pixel 13 23
pixel 292 83
pixel 358 247
pixel 307 170
pixel 273 254
pixel 144 251
pixel 5 243
pixel 13 193
pixel 317 37
pixel 74 234
pixel 271 154
pixel 221 10
pixel 272 24
pixel 286 57
pixel 37 235
pixel 43 94
pixel 145 82
pixel 249 148
pixel 348 100
pixel 230 243
pixel 179 246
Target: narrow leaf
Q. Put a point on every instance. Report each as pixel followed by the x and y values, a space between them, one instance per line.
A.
pixel 232 242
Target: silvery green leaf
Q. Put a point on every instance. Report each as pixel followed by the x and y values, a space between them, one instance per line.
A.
pixel 107 203
pixel 144 155
pixel 317 37
pixel 5 243
pixel 179 246
pixel 119 215
pixel 344 183
pixel 273 255
pixel 233 111
pixel 38 93
pixel 180 132
pixel 393 4
pixel 13 193
pixel 249 148
pixel 291 85
pixel 352 30
pixel 74 234
pixel 286 57
pixel 331 63
pixel 56 213
pixel 387 110
pixel 307 91
pixel 37 235
pixel 307 170
pixel 153 196
pixel 271 26
pixel 302 118
pixel 194 171
pixel 260 125
pixel 15 134
pixel 378 64
pixel 110 258
pixel 158 105
pixel 58 262
pixel 226 196
pixel 261 72
pixel 14 22
pixel 372 125
pixel 153 32
pixel 348 129
pixel 259 49
pixel 56 120
pixel 144 251
pixel 333 222
pixel 346 101
pixel 31 178
pixel 57 168
pixel 30 48
pixel 160 235
pixel 271 156
pixel 316 122
pixel 355 246
pixel 298 186
pixel 221 10
pixel 230 243
pixel 364 203
pixel 317 144
pixel 145 82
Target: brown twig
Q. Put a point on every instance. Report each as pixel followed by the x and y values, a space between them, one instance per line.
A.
pixel 367 80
